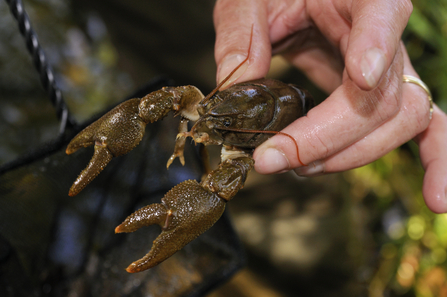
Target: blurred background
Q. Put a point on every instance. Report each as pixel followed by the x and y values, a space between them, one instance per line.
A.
pixel 365 232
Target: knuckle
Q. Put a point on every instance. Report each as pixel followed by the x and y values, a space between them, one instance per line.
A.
pixel 319 147
pixel 318 143
pixel 389 98
pixel 423 115
pixel 418 107
pixel 391 104
pixel 400 9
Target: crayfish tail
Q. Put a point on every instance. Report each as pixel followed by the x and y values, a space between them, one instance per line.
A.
pixel 152 214
pixel 101 157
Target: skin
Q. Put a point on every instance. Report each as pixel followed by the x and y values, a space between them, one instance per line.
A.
pixel 352 50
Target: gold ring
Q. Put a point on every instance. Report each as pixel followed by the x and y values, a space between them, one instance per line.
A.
pixel 417 81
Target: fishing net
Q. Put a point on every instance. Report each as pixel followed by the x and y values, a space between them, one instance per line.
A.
pixel 55 245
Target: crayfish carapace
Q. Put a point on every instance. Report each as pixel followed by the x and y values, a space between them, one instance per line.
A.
pixel 239 118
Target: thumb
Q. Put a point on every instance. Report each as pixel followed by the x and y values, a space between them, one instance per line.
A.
pixel 233 21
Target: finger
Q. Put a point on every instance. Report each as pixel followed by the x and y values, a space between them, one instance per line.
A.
pixel 328 128
pixel 432 143
pixel 294 35
pixel 311 37
pixel 343 119
pixel 405 125
pixel 233 21
pixel 374 39
pixel 317 58
pixel 412 119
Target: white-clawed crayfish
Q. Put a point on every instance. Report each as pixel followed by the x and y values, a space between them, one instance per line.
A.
pixel 239 118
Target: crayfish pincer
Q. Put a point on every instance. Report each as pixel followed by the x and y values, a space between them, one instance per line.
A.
pixel 239 118
pixel 186 211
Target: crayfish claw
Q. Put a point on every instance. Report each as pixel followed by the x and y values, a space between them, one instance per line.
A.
pixel 152 214
pixel 186 211
pixel 84 139
pixel 101 157
pixel 163 247
pixel 116 133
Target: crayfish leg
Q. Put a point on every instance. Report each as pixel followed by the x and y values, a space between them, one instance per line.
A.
pixel 205 156
pixel 179 143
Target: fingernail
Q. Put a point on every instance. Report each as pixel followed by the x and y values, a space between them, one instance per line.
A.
pixel 314 168
pixel 228 65
pixel 373 66
pixel 276 160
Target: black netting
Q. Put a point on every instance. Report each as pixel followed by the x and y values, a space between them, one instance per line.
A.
pixel 55 245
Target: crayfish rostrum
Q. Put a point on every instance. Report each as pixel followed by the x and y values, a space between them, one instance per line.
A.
pixel 239 118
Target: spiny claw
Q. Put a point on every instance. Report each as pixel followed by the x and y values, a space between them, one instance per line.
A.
pixel 114 134
pixel 101 157
pixel 186 211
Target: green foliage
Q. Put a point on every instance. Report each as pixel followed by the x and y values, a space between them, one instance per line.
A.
pixel 426 41
pixel 412 260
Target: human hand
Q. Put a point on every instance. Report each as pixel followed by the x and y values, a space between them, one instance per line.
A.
pixel 352 50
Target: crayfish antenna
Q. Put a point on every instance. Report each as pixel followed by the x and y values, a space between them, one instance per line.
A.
pixel 296 145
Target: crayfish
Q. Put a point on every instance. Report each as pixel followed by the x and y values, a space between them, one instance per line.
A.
pixel 239 118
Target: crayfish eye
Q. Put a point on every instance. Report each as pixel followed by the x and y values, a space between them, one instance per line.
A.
pixel 227 122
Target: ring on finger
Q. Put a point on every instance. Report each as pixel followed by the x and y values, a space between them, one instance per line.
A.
pixel 417 81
